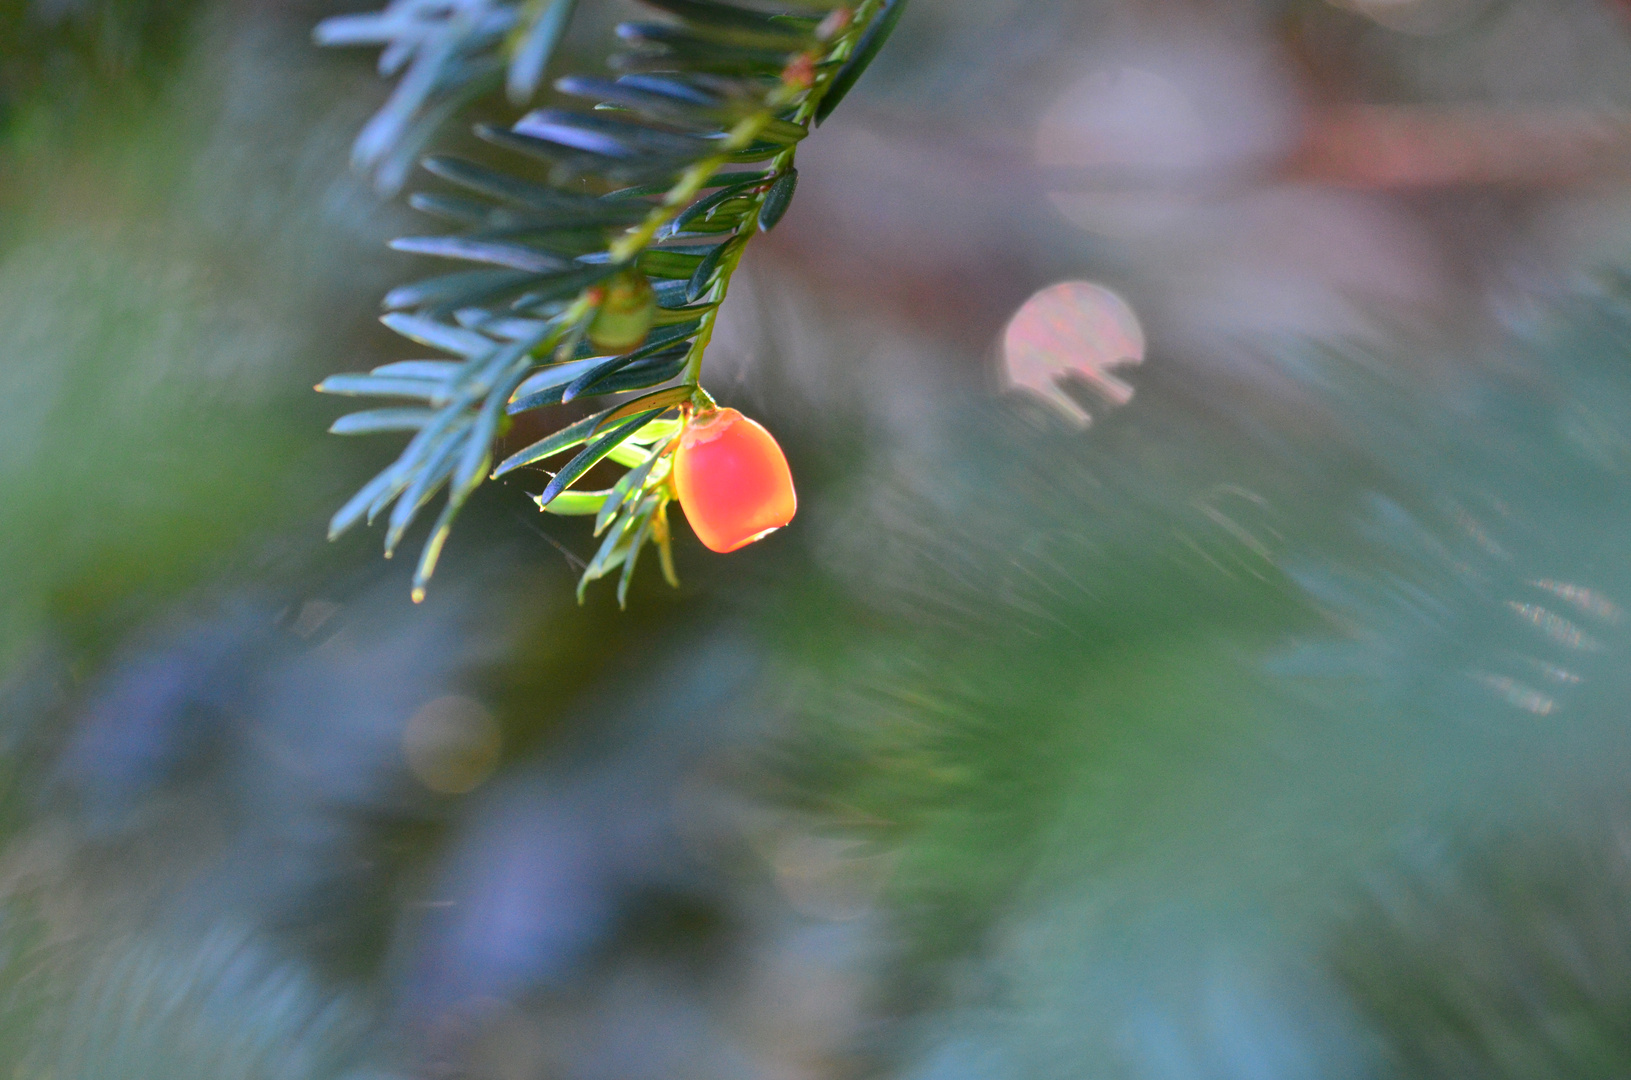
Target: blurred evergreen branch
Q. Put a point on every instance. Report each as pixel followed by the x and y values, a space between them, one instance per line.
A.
pixel 1504 960
pixel 1014 686
pixel 53 50
pixel 600 273
pixel 222 1006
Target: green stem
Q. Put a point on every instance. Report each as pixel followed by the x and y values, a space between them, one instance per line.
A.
pixel 690 183
pixel 840 51
pixel 695 178
pixel 716 297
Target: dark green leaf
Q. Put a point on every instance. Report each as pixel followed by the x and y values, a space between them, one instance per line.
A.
pixel 547 290
pixel 778 200
pixel 381 386
pixel 706 53
pixel 439 335
pixel 657 106
pixel 659 59
pixel 657 341
pixel 727 219
pixel 570 240
pixel 515 256
pixel 449 207
pixel 759 151
pixel 633 483
pixel 440 370
pixel 427 479
pixel 671 292
pixel 647 511
pixel 508 188
pixel 564 439
pixel 713 13
pixel 675 315
pixel 672 263
pixel 675 86
pixel 784 132
pixel 769 38
pixel 501 220
pixel 426 446
pixel 450 292
pixel 431 553
pixel 608 136
pixel 657 402
pixel 724 176
pixel 576 503
pixel 532 55
pixel 590 455
pixel 702 279
pixel 544 387
pixel 356 506
pixel 612 551
pixel 652 371
pixel 707 203
pixel 377 420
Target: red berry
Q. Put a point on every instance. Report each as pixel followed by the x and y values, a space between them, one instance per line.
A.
pixel 732 480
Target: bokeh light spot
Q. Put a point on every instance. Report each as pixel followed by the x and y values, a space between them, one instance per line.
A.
pixel 452 744
pixel 1075 330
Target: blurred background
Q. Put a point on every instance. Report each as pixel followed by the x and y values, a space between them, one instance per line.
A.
pixel 1200 651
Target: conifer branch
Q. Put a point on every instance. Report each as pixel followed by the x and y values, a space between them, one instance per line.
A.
pixel 602 271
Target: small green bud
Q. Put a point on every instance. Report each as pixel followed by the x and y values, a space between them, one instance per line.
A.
pixel 628 307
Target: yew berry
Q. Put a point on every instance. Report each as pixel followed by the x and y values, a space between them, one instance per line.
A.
pixel 732 480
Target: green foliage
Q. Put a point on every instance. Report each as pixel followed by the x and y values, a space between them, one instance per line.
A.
pixel 604 244
pixel 54 55
pixel 151 269
pixel 1506 961
pixel 222 1006
pixel 1107 701
pixel 962 694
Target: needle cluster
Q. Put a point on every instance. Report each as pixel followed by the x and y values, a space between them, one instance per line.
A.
pixel 597 252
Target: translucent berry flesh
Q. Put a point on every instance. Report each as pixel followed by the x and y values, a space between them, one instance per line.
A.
pixel 732 479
